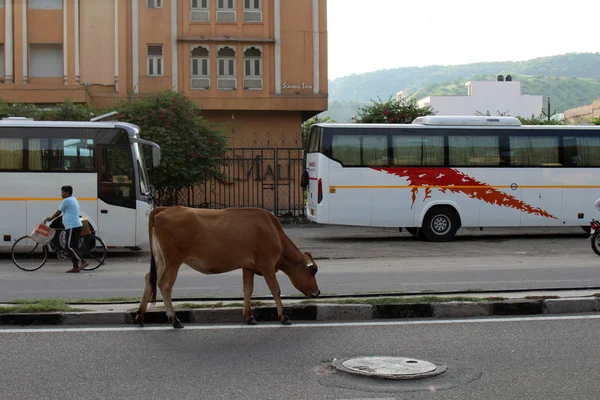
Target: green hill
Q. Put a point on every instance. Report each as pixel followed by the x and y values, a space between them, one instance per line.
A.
pixel 571 80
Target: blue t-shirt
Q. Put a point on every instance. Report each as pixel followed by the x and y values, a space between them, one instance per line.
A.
pixel 70 210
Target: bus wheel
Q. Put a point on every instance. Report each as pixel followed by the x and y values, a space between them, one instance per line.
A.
pixel 440 224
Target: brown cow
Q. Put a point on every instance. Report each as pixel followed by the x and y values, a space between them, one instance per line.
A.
pixel 219 241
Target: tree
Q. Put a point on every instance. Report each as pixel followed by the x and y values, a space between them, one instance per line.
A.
pixel 595 121
pixel 541 119
pixel 69 111
pixel 8 109
pixel 488 114
pixel 392 111
pixel 192 148
pixel 309 123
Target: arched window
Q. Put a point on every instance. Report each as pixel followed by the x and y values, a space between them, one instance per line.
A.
pixel 253 68
pixel 200 67
pixel 227 71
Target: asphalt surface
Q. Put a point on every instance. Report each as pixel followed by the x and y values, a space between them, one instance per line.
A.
pixel 352 261
pixel 502 358
pixel 335 277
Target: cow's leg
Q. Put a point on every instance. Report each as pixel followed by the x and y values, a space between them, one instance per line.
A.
pixel 144 301
pixel 276 292
pixel 248 277
pixel 165 283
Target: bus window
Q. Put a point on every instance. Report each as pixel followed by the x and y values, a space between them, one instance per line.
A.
pixel 314 140
pixel 413 150
pixel 534 151
pixel 582 151
pixel 468 151
pixel 72 155
pixel 353 150
pixel 11 154
pixel 374 149
pixel 36 149
pixel 75 155
pixel 346 149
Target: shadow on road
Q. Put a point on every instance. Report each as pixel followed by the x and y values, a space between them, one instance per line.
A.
pixel 487 238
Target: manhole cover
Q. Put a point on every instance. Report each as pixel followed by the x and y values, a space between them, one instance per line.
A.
pixel 389 367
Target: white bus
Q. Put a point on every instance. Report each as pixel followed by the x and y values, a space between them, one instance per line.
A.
pixel 441 173
pixel 103 163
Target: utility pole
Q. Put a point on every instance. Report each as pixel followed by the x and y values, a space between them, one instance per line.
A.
pixel 548 108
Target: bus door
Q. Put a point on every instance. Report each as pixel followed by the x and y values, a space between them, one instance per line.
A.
pixel 541 195
pixel 116 195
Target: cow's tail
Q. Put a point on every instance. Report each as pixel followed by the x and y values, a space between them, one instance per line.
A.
pixel 153 271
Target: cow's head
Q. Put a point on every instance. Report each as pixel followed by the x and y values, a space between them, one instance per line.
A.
pixel 303 276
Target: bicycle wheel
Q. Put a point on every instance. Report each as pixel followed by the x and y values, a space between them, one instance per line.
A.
pixel 28 255
pixel 93 250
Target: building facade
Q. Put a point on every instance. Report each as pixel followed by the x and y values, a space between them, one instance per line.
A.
pixel 500 96
pixel 259 66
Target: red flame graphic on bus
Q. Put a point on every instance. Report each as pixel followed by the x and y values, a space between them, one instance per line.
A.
pixel 445 179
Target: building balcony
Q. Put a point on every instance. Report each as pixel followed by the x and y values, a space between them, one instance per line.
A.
pixel 43 90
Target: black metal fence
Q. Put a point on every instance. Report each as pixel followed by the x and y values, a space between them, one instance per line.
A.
pixel 268 178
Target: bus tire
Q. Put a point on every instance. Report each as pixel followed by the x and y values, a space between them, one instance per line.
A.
pixel 440 224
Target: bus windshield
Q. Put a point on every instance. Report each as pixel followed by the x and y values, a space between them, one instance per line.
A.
pixel 143 174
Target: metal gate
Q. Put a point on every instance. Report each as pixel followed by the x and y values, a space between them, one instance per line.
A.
pixel 267 178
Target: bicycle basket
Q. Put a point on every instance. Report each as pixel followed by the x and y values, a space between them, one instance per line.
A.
pixel 42 234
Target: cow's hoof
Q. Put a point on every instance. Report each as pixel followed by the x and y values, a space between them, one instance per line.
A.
pixel 286 320
pixel 178 325
pixel 251 321
pixel 139 320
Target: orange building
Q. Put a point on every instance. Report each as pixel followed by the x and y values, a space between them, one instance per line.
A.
pixel 258 65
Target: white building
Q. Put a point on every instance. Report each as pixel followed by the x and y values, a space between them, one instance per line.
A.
pixel 498 97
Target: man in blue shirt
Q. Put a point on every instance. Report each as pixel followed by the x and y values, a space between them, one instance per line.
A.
pixel 70 219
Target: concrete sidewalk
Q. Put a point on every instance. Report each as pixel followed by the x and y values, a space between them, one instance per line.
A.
pixel 498 304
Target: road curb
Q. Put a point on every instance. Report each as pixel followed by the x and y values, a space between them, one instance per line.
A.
pixel 344 312
pixel 572 306
pixel 319 312
pixel 460 310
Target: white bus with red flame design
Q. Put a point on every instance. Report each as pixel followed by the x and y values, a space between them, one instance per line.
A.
pixel 441 173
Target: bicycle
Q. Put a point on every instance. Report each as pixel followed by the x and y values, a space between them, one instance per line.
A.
pixel 29 255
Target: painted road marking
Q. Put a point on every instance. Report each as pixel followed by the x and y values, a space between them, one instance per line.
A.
pixel 374 398
pixel 299 325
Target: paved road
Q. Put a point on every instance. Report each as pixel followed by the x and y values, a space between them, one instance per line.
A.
pixel 388 261
pixel 504 358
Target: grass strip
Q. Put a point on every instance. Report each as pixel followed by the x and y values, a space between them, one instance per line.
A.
pixel 37 306
pixel 108 300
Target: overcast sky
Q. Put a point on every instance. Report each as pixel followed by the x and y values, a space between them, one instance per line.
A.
pixel 369 35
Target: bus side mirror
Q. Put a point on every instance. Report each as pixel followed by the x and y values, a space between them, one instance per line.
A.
pixel 155 156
